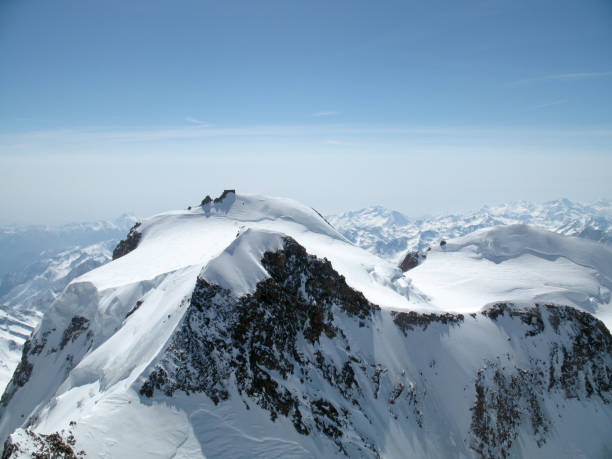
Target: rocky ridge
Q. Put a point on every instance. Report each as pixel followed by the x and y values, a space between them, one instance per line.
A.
pixel 272 345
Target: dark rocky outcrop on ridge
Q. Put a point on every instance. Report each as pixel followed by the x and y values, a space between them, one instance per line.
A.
pixel 412 260
pixel 128 244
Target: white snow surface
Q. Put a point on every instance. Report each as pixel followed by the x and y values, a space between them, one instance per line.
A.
pixel 135 303
pixel 238 268
pixel 36 287
pixel 161 273
pixel 177 239
pixel 517 263
pixel 36 265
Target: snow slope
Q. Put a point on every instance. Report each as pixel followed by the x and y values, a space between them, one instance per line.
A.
pixel 178 239
pixel 174 247
pixel 518 263
pixel 249 327
pixel 34 290
pixel 36 265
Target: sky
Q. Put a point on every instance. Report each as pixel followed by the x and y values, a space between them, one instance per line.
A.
pixel 424 107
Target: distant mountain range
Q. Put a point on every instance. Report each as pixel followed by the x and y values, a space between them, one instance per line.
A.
pixel 23 245
pixel 391 234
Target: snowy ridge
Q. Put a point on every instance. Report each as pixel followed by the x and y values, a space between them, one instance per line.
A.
pixel 177 239
pixel 249 326
pixel 238 268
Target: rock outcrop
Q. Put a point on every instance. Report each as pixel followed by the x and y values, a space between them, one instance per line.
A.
pixel 128 244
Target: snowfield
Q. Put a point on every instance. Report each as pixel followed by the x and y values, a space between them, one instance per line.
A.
pixel 517 263
pixel 249 327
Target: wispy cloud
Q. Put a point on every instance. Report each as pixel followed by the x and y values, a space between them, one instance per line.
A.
pixel 326 113
pixel 548 104
pixel 191 119
pixel 563 77
pixel 340 143
pixel 120 139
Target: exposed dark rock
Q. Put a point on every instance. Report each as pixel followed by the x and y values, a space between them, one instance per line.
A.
pixel 37 346
pixel 223 195
pixel 396 392
pixel 46 446
pixel 128 244
pixel 76 327
pixel 504 400
pixel 411 260
pixel 208 200
pixel 257 336
pixel 531 316
pixel 582 369
pixel 322 217
pixel 9 449
pixel 21 375
pixel 327 418
pixel 134 309
pixel 407 321
pixel 579 366
pixel 415 401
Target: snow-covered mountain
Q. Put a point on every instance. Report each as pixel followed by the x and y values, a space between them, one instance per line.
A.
pixel 391 235
pixel 37 264
pixel 249 327
pixel 35 289
pixel 518 263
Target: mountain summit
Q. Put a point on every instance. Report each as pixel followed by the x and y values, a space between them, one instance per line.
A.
pixel 248 326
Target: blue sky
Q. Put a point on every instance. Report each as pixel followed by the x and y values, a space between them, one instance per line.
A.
pixel 425 107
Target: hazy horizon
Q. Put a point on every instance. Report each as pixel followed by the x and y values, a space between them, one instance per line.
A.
pixel 424 108
pixel 431 214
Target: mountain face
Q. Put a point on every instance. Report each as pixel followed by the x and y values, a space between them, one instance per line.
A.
pixel 34 290
pixel 391 235
pixel 37 264
pixel 248 326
